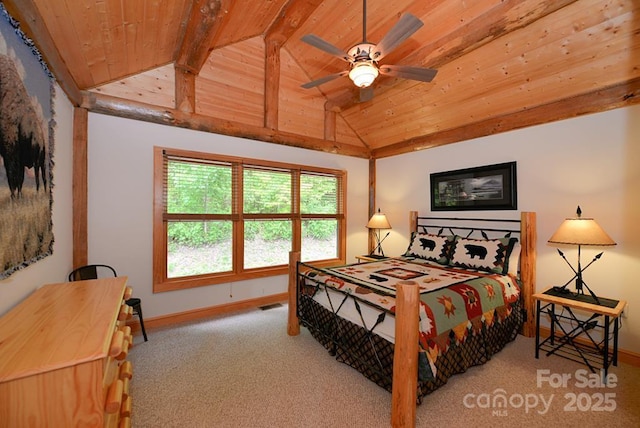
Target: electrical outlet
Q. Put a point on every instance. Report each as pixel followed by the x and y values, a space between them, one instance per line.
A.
pixel 625 311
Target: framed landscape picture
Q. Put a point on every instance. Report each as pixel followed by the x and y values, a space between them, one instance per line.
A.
pixel 490 187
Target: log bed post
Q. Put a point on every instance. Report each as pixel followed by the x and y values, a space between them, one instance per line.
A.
pixel 413 221
pixel 405 355
pixel 293 324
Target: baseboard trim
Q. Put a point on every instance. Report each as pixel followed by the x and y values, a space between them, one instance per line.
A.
pixel 197 314
pixel 626 357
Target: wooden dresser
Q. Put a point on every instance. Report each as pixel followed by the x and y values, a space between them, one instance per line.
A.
pixel 63 357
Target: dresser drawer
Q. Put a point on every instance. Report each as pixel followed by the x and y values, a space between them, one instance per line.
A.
pixel 118 401
pixel 118 373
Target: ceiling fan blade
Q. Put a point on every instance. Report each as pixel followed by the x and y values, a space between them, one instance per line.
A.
pixel 400 32
pixel 406 72
pixel 324 79
pixel 366 94
pixel 323 45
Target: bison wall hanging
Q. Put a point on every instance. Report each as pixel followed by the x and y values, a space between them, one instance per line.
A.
pixel 26 147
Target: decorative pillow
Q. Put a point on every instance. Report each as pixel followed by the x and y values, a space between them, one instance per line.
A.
pixel 489 255
pixel 430 247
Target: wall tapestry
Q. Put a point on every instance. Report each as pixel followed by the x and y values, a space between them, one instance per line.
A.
pixel 26 147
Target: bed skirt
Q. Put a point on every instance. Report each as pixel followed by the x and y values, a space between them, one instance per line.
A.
pixel 372 355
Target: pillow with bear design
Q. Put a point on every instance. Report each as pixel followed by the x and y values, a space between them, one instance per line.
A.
pixel 489 255
pixel 430 247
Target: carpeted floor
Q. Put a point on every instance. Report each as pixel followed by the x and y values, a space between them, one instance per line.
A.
pixel 244 370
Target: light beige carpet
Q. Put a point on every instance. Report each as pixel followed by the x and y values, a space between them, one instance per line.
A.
pixel 244 370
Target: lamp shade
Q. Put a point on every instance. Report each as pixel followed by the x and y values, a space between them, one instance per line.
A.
pixel 378 221
pixel 581 231
pixel 363 74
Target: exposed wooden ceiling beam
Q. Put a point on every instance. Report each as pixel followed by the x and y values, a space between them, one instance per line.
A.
pixel 292 15
pixel 616 96
pixel 511 15
pixel 120 107
pixel 204 22
pixel 290 18
pixel 26 12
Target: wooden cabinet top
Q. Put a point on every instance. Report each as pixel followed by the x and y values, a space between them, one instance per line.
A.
pixel 59 325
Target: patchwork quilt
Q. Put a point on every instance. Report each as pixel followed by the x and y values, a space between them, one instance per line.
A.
pixel 454 302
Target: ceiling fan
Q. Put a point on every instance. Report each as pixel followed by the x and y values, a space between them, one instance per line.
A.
pixel 364 57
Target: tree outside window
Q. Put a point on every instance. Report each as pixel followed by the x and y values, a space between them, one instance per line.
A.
pixel 220 219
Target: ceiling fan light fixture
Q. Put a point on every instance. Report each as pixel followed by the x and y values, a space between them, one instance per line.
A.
pixel 364 56
pixel 363 74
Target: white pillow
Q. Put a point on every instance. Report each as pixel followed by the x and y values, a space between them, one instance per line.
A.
pixel 489 255
pixel 514 259
pixel 430 247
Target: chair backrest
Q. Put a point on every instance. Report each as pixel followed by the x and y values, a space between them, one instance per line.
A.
pixel 92 272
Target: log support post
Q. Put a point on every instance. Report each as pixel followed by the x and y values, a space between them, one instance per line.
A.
pixel 271 82
pixel 371 243
pixel 330 125
pixel 528 238
pixel 293 324
pixel 80 186
pixel 405 357
pixel 185 90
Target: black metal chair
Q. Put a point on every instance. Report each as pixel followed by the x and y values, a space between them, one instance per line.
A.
pixel 100 271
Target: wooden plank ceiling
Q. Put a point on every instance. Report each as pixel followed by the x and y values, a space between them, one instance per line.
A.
pixel 235 66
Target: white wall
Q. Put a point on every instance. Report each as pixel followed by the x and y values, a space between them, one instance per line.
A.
pixel 121 205
pixel 592 161
pixel 55 267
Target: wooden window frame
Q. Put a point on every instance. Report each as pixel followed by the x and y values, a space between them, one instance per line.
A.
pixel 160 281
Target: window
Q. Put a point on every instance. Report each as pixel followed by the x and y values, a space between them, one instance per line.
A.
pixel 220 219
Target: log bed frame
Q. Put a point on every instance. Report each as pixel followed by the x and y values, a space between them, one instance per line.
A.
pixel 405 361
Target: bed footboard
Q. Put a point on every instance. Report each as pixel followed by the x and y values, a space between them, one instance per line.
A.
pixel 373 356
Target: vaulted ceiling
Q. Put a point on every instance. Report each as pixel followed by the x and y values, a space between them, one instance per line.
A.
pixel 236 67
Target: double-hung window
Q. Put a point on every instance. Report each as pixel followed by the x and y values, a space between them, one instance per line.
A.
pixel 221 219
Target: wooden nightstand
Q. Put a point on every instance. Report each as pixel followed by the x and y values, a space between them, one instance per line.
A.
pixel 370 258
pixel 575 339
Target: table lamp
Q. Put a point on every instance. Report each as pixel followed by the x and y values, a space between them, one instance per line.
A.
pixel 378 222
pixel 580 231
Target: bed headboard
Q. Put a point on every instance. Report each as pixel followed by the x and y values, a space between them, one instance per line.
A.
pixel 523 228
pixel 479 228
